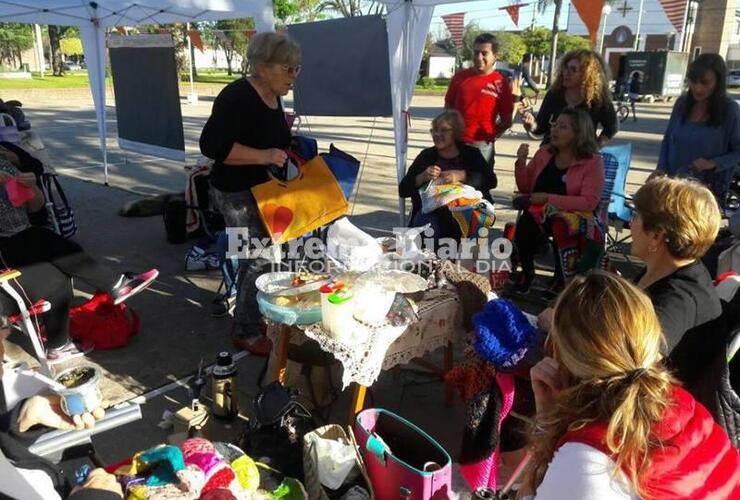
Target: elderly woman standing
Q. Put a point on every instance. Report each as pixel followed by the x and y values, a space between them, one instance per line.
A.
pixel 247 132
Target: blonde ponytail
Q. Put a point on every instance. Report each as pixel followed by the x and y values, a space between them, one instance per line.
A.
pixel 607 338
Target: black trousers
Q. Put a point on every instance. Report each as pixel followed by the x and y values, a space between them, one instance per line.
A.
pixel 527 239
pixel 47 262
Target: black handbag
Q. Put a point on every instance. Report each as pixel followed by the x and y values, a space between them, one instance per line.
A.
pixel 275 433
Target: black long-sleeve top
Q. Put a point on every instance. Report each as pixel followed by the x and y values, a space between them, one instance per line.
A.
pixel 477 174
pixel 554 102
pixel 240 116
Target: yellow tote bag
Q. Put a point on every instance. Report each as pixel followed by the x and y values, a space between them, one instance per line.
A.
pixel 292 208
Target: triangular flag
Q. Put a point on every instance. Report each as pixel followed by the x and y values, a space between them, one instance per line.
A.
pixel 513 11
pixel 674 11
pixel 590 13
pixel 456 26
pixel 196 40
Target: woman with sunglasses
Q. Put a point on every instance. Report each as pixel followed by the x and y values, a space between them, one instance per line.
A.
pixel 246 133
pixel 702 139
pixel 452 161
pixel 582 83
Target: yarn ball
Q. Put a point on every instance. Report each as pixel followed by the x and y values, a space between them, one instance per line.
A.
pixel 503 334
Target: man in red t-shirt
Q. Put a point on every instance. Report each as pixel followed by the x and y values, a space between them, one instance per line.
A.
pixel 482 95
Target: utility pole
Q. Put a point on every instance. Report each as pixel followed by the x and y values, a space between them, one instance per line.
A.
pixel 636 46
pixel 554 40
pixel 39 43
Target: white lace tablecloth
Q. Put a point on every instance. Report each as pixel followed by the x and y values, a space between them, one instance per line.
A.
pixel 383 347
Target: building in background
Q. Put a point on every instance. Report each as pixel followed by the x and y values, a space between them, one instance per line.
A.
pixel 695 27
pixel 441 60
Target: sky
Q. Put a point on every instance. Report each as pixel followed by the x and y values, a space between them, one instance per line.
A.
pixel 489 16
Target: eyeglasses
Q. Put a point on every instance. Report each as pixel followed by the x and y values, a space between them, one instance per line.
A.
pixel 440 130
pixel 291 70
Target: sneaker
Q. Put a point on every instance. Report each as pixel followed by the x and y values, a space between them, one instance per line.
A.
pixel 129 285
pixel 68 351
pixel 259 345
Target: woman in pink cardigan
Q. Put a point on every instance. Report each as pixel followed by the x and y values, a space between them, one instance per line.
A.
pixel 560 190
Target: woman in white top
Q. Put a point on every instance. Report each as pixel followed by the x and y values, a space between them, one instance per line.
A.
pixel 611 421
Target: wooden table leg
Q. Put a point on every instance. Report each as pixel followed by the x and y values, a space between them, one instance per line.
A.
pixel 281 354
pixel 358 402
pixel 449 389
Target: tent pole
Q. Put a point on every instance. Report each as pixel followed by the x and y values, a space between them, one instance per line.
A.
pixel 39 43
pixel 193 97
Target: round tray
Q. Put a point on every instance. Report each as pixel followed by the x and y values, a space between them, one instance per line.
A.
pixel 280 284
pixel 287 315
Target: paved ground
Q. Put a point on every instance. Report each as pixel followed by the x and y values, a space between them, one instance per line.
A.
pixel 177 329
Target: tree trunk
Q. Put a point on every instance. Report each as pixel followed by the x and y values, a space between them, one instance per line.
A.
pixel 554 41
pixel 229 54
pixel 56 50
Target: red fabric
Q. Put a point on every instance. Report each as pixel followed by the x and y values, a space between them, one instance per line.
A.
pixel 584 181
pixel 698 460
pixel 480 99
pixel 103 324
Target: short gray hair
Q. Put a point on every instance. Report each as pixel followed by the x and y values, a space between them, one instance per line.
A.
pixel 272 48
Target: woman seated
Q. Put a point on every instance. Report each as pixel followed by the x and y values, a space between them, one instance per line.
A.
pixel 612 423
pixel 561 187
pixel 47 262
pixel 451 161
pixel 674 223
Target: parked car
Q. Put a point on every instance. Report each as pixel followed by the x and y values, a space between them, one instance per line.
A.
pixel 71 66
pixel 733 78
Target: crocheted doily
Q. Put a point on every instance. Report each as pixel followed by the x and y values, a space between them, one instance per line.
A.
pixel 384 346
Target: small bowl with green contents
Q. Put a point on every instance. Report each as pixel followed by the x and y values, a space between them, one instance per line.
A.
pixel 81 393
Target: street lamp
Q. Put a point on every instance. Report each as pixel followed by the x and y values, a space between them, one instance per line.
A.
pixel 604 12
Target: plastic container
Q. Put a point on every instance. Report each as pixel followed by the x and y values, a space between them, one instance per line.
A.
pixel 326 291
pixel 285 314
pixel 338 321
pixel 373 303
pixel 82 394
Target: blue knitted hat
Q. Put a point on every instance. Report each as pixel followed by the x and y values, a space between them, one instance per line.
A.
pixel 503 333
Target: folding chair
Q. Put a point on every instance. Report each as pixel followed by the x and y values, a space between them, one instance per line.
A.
pixel 619 214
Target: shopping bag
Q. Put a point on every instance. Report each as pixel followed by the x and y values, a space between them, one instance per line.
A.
pixel 402 460
pixel 292 208
pixel 345 168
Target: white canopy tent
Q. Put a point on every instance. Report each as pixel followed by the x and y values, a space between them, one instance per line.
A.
pixel 408 24
pixel 95 17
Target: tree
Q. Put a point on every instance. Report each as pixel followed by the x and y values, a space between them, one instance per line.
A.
pixel 511 47
pixel 71 46
pixel 537 40
pixel 297 11
pixel 351 8
pixel 234 30
pixel 568 42
pixel 14 39
pixel 55 35
pixel 471 31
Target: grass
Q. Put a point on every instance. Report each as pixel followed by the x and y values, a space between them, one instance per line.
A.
pixel 75 80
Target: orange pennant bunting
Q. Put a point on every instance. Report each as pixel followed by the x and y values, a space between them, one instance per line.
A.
pixel 590 13
pixel 513 11
pixel 196 40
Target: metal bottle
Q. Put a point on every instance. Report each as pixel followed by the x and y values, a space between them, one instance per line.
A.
pixel 223 389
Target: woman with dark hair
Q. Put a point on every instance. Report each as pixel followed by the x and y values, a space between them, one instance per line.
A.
pixel 561 187
pixel 581 83
pixel 703 135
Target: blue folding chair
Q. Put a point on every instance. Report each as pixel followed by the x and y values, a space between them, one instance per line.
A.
pixel 619 213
